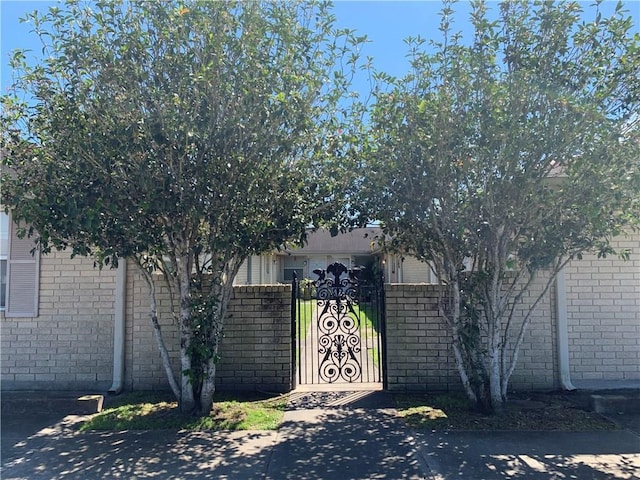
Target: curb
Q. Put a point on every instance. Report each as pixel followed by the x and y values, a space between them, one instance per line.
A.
pixel 620 403
pixel 30 403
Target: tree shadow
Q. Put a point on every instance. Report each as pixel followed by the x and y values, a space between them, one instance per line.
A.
pixel 353 442
pixel 60 451
pixel 362 439
pixel 532 455
pixel 344 443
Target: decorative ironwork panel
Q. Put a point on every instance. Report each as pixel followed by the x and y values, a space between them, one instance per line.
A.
pixel 339 343
pixel 338 325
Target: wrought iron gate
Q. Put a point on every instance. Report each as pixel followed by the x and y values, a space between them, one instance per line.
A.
pixel 338 328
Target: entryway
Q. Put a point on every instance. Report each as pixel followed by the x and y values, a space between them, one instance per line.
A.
pixel 338 329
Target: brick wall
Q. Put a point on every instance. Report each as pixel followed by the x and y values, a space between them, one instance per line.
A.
pixel 603 310
pixel 256 348
pixel 536 367
pixel 70 344
pixel 255 351
pixel 143 365
pixel 418 342
pixel 419 353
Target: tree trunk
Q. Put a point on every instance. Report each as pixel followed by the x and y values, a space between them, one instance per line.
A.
pixel 495 379
pixel 222 292
pixel 187 403
pixel 157 333
pixel 470 360
pixel 494 353
pixel 208 388
pixel 454 320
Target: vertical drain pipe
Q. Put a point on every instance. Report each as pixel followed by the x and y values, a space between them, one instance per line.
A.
pixel 562 330
pixel 119 318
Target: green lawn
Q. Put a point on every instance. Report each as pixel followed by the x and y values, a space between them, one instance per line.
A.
pixel 304 317
pixel 159 411
pixel 369 329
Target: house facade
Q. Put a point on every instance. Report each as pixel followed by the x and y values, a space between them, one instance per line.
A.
pixel 358 247
pixel 66 325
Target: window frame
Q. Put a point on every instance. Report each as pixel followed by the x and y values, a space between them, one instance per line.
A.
pixel 23 272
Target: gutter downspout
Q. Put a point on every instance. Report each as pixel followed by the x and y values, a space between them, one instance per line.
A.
pixel 119 320
pixel 562 330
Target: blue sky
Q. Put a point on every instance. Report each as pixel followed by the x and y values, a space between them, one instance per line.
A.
pixel 386 23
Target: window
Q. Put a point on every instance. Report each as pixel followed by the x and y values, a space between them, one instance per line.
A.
pixel 288 274
pixel 19 272
pixel 291 265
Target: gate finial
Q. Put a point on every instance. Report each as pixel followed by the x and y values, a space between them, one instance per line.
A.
pixel 320 273
pixel 337 269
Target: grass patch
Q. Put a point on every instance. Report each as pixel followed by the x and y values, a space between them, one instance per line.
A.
pixel 368 330
pixel 538 412
pixel 367 314
pixel 159 411
pixel 304 313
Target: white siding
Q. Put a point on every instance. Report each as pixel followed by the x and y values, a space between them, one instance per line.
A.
pixel 241 277
pixel 254 277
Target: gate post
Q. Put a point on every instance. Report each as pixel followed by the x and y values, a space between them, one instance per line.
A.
pixel 382 306
pixel 294 336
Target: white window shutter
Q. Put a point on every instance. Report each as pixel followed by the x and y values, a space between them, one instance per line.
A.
pixel 23 276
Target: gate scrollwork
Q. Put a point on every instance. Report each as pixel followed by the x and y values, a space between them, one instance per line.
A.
pixel 339 342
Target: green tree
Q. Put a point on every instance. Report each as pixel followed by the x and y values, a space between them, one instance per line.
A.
pixel 499 159
pixel 183 135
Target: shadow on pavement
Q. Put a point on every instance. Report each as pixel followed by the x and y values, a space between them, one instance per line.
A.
pixel 356 436
pixel 339 444
pixel 55 449
pixel 532 455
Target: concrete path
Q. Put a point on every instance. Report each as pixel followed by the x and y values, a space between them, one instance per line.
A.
pixel 344 444
pixel 352 437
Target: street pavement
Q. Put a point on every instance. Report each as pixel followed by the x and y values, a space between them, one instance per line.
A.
pixel 357 437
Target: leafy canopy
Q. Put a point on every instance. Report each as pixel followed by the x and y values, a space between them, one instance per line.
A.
pixel 523 139
pixel 154 125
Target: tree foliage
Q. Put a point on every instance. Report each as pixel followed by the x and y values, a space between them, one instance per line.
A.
pixel 184 135
pixel 499 158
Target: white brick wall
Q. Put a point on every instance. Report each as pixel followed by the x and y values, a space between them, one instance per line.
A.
pixel 70 343
pixel 603 309
pixel 255 351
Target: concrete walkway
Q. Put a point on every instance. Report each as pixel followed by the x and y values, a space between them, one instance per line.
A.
pixel 357 437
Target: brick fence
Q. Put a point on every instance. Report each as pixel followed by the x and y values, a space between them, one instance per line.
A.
pixel 255 350
pixel 418 344
pixel 419 352
pixel 69 345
